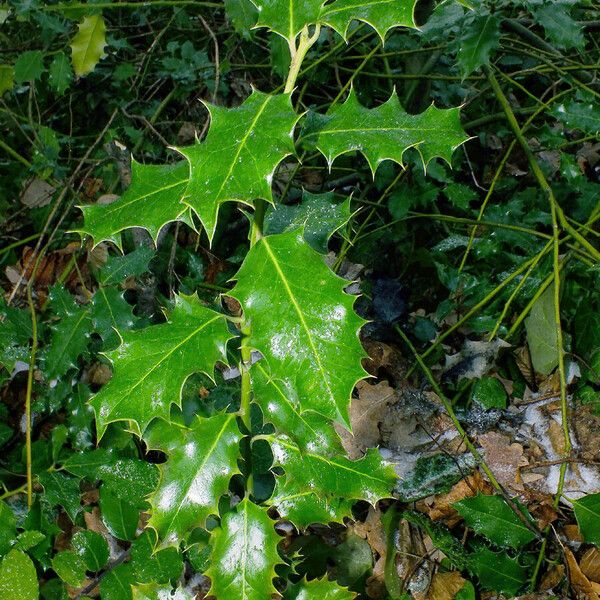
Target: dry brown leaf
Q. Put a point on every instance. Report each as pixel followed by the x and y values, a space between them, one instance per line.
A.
pixel 366 412
pixel 468 487
pixel 504 458
pixel 37 193
pixel 572 533
pixel 444 586
pixel 590 564
pixel 579 582
pixel 552 578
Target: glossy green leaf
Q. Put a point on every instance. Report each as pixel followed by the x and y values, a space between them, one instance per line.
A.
pixel 317 589
pixel 29 66
pixel 70 567
pixel 154 567
pixel 311 339
pixel 60 489
pixel 244 554
pixel 542 336
pixel 18 578
pixel 489 393
pixel 200 463
pixel 29 539
pixel 119 268
pixel 318 214
pixel 60 73
pixel 382 15
pixel 237 160
pixel 559 25
pixel 479 38
pixel 587 513
pixel 92 548
pixel 497 571
pixel 584 116
pixel 287 17
pixel 155 591
pixel 8 528
pixel 321 488
pixel 129 479
pixel 87 46
pixel 88 464
pixel 119 516
pixel 110 312
pixel 117 584
pixel 385 132
pixel 15 331
pixel 280 406
pixel 153 199
pixel 70 335
pixel 493 518
pixel 151 365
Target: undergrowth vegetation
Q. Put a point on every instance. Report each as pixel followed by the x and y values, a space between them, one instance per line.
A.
pixel 300 299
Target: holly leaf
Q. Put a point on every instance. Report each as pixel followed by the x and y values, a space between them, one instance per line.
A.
pixel 242 14
pixel 287 17
pixel 479 38
pixel 70 567
pixel 8 528
pixel 110 312
pixel 119 516
pixel 587 513
pixel 279 403
pixel 151 365
pixel 29 66
pixel 92 548
pixel 119 268
pixel 497 571
pixel 60 73
pixel 87 46
pixel 15 331
pixel 70 335
pixel 201 461
pixel 62 489
pixel 317 589
pixel 18 578
pixel 584 116
pixel 244 554
pixel 320 216
pixel 311 339
pixel 385 132
pixel 491 517
pixel 156 591
pixel 7 76
pixel 542 337
pixel 154 567
pixel 237 160
pixel 559 26
pixel 382 15
pixel 320 488
pixel 151 201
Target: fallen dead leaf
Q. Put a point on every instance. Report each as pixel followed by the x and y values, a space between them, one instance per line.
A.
pixel 552 578
pixel 580 583
pixel 442 508
pixel 366 412
pixel 37 193
pixel 504 458
pixel 590 564
pixel 445 586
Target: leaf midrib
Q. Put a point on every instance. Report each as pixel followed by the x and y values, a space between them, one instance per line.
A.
pixel 300 314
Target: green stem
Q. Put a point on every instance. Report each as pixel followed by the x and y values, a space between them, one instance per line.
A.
pixel 556 213
pixel 298 53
